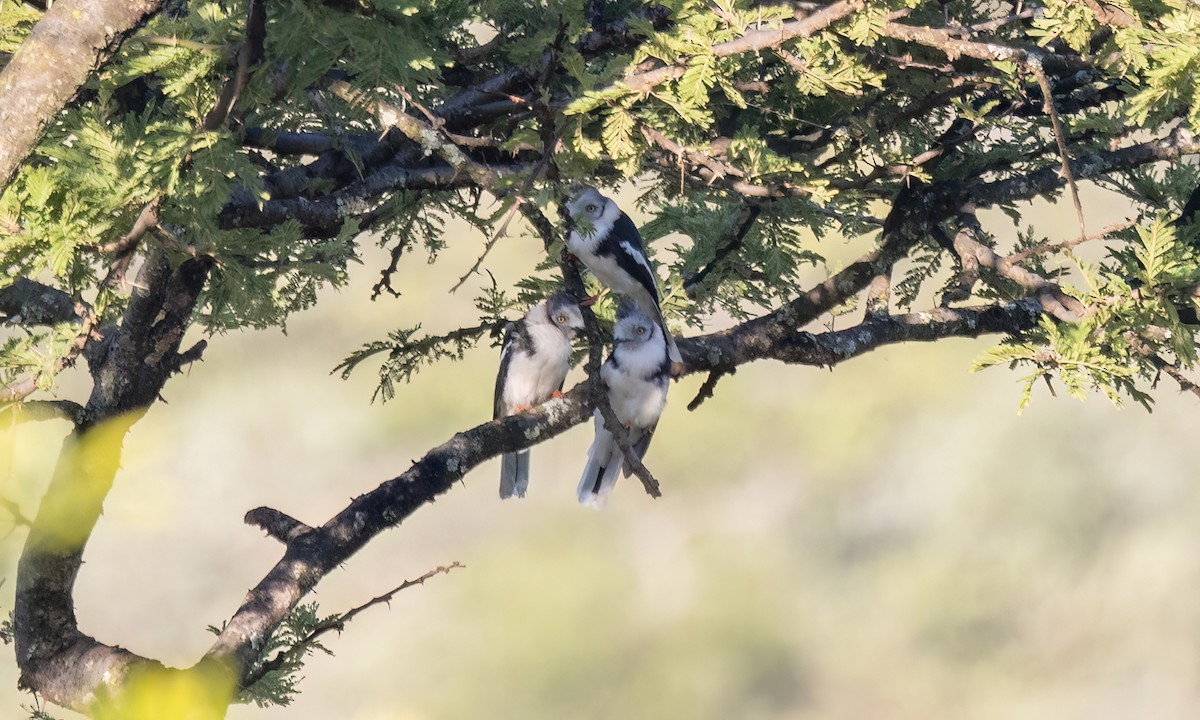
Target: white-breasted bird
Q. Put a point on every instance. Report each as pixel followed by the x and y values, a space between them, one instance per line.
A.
pixel 608 243
pixel 636 377
pixel 534 360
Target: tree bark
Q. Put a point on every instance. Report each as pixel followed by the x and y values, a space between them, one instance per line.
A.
pixel 66 46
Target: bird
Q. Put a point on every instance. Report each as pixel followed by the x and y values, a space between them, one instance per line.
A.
pixel 636 377
pixel 608 243
pixel 534 359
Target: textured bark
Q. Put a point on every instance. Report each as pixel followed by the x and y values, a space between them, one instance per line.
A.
pixel 67 44
pixel 129 368
pixel 26 302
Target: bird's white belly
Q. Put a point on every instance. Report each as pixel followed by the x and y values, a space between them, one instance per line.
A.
pixel 637 404
pixel 532 378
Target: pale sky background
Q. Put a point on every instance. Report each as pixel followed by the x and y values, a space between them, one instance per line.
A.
pixel 886 540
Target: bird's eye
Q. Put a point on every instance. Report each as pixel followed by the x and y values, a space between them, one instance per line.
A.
pixel 561 319
pixel 591 208
pixel 641 331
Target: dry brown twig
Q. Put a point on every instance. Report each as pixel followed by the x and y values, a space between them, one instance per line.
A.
pixel 338 622
pixel 1049 247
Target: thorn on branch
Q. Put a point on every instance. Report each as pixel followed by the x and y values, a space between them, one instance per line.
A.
pixel 281 526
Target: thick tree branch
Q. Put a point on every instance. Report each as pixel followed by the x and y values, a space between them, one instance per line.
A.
pixel 70 41
pixel 323 217
pixel 27 303
pixel 129 368
pixel 953 46
pixel 38 410
pixel 1178 143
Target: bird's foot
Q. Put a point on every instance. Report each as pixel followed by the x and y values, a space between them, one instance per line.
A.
pixel 589 301
pixel 556 394
pixel 521 408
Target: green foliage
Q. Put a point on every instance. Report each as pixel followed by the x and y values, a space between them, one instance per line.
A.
pixel 1133 328
pixel 286 650
pixel 816 130
pixel 16 21
pixel 1167 73
pixel 36 354
pixel 1073 23
pixel 407 352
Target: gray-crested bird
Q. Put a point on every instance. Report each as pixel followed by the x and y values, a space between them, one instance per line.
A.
pixel 636 377
pixel 534 360
pixel 608 243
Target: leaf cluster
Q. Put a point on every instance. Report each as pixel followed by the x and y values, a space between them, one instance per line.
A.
pixel 286 649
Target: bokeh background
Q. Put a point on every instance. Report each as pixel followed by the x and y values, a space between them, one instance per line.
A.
pixel 886 540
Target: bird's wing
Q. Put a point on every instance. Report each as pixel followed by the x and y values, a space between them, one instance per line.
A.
pixel 630 255
pixel 506 352
pixel 639 442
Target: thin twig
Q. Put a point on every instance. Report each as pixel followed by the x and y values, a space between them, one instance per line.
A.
pixel 692 285
pixel 338 623
pixel 18 390
pixel 500 232
pixel 249 54
pixel 12 508
pixel 621 435
pixel 1047 247
pixel 1035 65
pixel 184 43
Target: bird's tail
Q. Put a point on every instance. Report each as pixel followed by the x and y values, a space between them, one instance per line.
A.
pixel 514 474
pixel 603 467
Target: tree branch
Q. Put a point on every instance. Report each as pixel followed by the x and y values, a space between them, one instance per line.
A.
pixel 339 623
pixel 249 55
pixel 38 410
pixel 129 368
pixel 751 41
pixel 278 525
pixel 26 302
pixel 973 252
pixel 69 42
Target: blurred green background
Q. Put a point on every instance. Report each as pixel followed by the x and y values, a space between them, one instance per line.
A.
pixel 887 540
